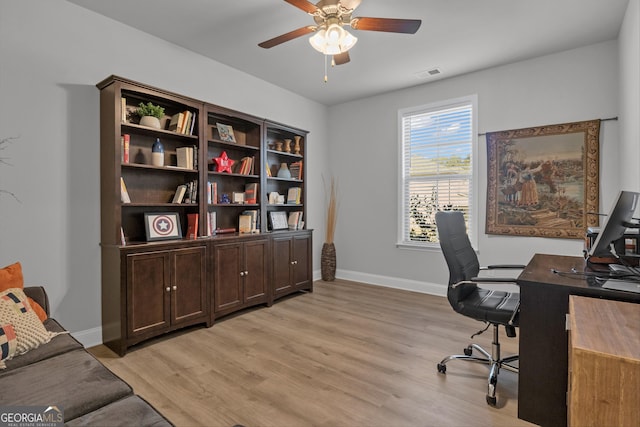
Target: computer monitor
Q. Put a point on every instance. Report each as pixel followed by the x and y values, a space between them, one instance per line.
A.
pixel 617 223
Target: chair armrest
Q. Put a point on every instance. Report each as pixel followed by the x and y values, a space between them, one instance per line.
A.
pixel 39 295
pixel 493 280
pixel 505 266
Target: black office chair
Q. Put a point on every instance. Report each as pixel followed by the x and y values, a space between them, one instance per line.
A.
pixel 495 308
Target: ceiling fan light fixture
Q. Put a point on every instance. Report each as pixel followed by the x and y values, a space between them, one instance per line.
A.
pixel 332 41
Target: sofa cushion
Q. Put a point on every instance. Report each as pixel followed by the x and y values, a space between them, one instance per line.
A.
pixel 74 381
pixel 130 411
pixel 16 310
pixel 58 345
pixel 11 277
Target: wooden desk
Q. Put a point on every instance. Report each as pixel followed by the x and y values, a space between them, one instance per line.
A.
pixel 544 303
pixel 604 363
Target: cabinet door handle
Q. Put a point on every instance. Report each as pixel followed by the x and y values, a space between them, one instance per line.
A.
pixel 246 273
pixel 175 287
pixel 242 273
pixel 168 289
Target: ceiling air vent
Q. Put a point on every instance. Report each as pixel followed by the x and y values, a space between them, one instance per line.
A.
pixel 432 72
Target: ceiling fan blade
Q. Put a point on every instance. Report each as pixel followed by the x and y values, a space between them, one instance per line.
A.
pixel 350 4
pixel 303 5
pixel 408 26
pixel 286 37
pixel 341 58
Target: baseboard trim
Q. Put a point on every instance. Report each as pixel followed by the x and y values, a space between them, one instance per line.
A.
pixel 389 282
pixel 89 337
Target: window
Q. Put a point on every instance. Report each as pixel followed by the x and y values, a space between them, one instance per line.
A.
pixel 438 154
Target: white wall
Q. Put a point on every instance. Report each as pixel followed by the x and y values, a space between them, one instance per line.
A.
pixel 576 85
pixel 52 55
pixel 629 45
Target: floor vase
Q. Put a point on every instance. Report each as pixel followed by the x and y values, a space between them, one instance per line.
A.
pixel 328 262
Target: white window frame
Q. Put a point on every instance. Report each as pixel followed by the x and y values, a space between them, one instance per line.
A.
pixel 403 240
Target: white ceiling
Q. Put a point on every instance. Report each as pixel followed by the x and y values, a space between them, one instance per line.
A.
pixel 457 36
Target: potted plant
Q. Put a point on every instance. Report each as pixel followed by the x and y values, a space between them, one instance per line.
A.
pixel 328 254
pixel 150 115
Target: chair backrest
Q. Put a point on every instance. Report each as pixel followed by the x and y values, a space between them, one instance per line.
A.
pixel 457 250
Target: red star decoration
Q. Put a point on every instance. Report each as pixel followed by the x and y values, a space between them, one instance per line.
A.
pixel 223 163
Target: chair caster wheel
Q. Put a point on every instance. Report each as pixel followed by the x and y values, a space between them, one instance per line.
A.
pixel 442 368
pixel 468 351
pixel 491 400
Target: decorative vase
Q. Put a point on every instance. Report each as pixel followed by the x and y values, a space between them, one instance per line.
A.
pixel 287 145
pixel 150 121
pixel 278 145
pixel 284 171
pixel 157 153
pixel 328 262
pixel 296 146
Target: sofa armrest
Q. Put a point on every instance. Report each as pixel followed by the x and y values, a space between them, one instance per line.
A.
pixel 39 295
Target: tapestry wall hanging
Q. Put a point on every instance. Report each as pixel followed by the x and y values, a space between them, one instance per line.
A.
pixel 543 181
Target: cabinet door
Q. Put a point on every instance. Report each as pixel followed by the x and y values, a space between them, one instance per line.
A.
pixel 302 261
pixel 148 292
pixel 282 267
pixel 255 273
pixel 189 292
pixel 227 282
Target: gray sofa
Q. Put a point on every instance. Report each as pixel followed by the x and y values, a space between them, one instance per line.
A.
pixel 62 373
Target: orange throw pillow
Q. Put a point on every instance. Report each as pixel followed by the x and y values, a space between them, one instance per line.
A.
pixel 11 277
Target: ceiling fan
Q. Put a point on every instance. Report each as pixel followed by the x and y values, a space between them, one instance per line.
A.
pixel 330 37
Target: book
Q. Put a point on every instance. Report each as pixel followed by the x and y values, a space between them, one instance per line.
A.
pixel 123 109
pixel 255 219
pixel 293 195
pixel 211 223
pixel 244 224
pixel 184 156
pixel 124 194
pixel 180 192
pixel 126 140
pixel 251 193
pixel 293 219
pixel 192 226
pixel 176 122
pixel 296 170
pixel 225 132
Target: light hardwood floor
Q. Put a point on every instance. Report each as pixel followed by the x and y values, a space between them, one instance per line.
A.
pixel 347 354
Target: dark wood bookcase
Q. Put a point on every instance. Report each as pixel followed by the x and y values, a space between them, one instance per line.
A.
pixel 154 287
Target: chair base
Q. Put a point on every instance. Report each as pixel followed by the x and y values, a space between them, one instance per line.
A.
pixel 493 360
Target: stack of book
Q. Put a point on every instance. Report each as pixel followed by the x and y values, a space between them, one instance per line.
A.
pixel 246 166
pixel 295 220
pixel 183 123
pixel 296 170
pixel 212 193
pixel 186 193
pixel 187 157
pixel 294 195
pixel 249 221
pixel 251 193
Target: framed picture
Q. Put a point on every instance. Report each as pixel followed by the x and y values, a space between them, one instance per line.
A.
pixel 225 132
pixel 279 220
pixel 543 181
pixel 162 226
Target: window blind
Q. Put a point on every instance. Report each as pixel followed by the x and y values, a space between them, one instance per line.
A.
pixel 437 168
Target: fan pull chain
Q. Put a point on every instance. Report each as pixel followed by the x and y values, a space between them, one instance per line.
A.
pixel 325 69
